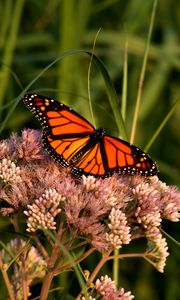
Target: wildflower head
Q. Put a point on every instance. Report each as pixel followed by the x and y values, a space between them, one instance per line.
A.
pixel 42 213
pixel 105 287
pixel 105 213
pixel 119 230
pixel 9 172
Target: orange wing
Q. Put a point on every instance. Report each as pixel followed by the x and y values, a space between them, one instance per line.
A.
pixel 64 150
pixel 65 132
pixel 57 119
pixel 90 163
pixel 125 158
pixel 112 155
pixel 74 142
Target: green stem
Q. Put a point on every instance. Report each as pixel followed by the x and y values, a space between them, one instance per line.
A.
pixel 142 75
pixel 67 34
pixel 170 237
pixel 124 87
pixel 89 73
pixel 116 268
pixel 10 47
pixel 161 126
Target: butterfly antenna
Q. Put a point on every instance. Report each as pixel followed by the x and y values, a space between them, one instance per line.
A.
pixel 89 74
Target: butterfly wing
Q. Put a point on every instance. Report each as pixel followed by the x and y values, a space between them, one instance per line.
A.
pixel 112 155
pixel 124 158
pixel 91 162
pixel 74 142
pixel 65 132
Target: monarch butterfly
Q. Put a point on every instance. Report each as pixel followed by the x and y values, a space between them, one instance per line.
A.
pixel 73 141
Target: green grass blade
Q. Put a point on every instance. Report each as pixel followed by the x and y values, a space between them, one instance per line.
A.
pixel 111 93
pixel 89 75
pixel 161 126
pixel 125 82
pixel 112 96
pixel 7 9
pixel 170 237
pixel 142 75
pixel 10 47
pixel 71 259
pixel 20 96
pixel 73 16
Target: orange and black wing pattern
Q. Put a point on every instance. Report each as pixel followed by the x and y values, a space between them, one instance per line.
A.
pixel 112 155
pixel 65 132
pixel 125 158
pixel 73 141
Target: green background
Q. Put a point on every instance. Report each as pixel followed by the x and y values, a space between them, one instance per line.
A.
pixel 34 33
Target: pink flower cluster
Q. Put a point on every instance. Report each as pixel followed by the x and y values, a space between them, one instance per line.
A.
pixel 42 212
pixel 105 289
pixel 105 213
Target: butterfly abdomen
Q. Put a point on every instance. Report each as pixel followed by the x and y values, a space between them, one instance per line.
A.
pixel 94 138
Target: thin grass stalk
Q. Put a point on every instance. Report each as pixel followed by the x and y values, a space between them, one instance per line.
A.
pixel 20 96
pixel 136 45
pixel 89 74
pixel 142 74
pixel 125 82
pixel 10 47
pixel 170 237
pixel 111 93
pixel 161 126
pixel 123 113
pixel 112 96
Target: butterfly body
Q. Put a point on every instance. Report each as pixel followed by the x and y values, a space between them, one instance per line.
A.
pixel 94 138
pixel 74 142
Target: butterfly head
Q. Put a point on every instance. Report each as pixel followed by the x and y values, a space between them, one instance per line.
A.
pixel 98 134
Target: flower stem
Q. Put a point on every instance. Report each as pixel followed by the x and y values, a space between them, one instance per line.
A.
pixel 50 273
pixel 46 285
pixel 24 280
pixel 95 272
pixel 69 265
pixel 128 255
pixel 116 268
pixel 7 281
pixel 41 247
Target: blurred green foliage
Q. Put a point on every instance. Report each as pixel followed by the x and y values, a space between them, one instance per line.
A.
pixel 34 33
